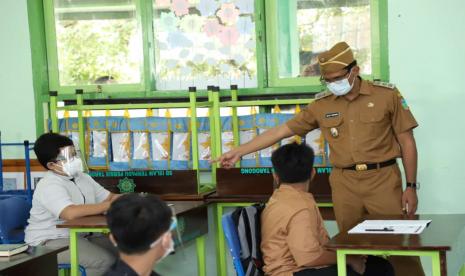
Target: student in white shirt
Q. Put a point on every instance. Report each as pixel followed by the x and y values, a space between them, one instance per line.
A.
pixel 67 193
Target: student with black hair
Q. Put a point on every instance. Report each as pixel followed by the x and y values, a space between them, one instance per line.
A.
pixel 293 233
pixel 140 227
pixel 66 193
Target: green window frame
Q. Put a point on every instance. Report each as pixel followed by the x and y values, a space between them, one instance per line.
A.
pixel 146 88
pixel 45 58
pixel 379 46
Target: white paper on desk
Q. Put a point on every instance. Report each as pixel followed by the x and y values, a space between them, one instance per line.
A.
pixel 395 226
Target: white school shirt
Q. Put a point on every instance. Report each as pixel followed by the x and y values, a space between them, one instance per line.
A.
pixel 54 193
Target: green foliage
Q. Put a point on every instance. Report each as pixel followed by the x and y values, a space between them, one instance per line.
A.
pixel 89 49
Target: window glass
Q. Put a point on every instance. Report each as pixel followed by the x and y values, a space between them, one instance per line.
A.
pixel 204 42
pixel 309 27
pixel 98 42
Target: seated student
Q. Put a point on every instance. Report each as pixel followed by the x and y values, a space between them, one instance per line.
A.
pixel 66 193
pixel 293 233
pixel 140 227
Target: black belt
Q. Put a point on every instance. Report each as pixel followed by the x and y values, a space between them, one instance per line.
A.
pixel 365 167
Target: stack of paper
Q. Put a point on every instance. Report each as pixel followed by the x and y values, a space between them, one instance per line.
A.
pixel 390 227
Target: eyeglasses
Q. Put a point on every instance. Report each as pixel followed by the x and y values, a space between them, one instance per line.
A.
pixel 326 81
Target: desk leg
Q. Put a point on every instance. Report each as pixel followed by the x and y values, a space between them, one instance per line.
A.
pixel 73 252
pixel 443 260
pixel 341 263
pixel 201 261
pixel 220 245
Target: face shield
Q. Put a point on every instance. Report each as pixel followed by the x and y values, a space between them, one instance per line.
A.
pixel 170 248
pixel 69 162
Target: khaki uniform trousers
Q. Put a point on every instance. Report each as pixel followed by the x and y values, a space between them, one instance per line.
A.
pixel 378 191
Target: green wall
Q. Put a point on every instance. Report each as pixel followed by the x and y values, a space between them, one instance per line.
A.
pixel 17 122
pixel 427 61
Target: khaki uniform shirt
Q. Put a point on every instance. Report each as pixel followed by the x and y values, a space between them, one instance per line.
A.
pixel 293 233
pixel 359 131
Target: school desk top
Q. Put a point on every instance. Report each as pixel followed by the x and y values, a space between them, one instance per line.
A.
pixel 442 233
pixel 33 259
pixel 100 221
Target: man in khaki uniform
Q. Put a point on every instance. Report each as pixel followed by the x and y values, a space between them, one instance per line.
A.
pixel 292 230
pixel 367 125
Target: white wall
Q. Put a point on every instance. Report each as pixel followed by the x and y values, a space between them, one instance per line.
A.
pixel 17 117
pixel 427 59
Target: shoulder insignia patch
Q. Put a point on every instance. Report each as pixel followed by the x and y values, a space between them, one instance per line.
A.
pixel 384 84
pixel 322 95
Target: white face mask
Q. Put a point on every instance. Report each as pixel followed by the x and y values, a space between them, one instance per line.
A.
pixel 168 251
pixel 73 167
pixel 340 87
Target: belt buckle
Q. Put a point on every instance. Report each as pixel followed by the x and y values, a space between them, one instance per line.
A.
pixel 361 167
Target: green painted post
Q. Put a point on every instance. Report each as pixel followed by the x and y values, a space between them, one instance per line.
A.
pixel 201 260
pixel 260 34
pixel 379 40
pixel 216 112
pixel 213 133
pixel 144 8
pixel 235 120
pixel 73 251
pixel 341 263
pixel 194 133
pixel 436 264
pixel 462 271
pixel 53 111
pixel 81 128
pixel 35 11
pixel 220 244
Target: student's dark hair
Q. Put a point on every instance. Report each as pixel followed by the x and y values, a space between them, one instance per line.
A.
pixel 136 221
pixel 47 147
pixel 293 163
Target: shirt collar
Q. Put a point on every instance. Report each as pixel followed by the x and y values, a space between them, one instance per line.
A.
pixel 289 189
pixel 365 87
pixel 63 177
pixel 122 268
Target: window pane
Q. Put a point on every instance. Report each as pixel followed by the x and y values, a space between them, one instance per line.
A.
pixel 98 41
pixel 309 27
pixel 204 42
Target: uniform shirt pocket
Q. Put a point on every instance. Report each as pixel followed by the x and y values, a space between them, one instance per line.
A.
pixel 332 127
pixel 373 122
pixel 372 116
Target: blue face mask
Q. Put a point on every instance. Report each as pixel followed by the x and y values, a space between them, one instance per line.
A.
pixel 340 87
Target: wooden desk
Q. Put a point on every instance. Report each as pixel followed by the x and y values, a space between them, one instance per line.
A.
pixel 192 224
pixel 37 261
pixel 231 201
pixel 443 234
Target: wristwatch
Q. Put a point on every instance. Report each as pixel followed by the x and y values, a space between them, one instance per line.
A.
pixel 413 185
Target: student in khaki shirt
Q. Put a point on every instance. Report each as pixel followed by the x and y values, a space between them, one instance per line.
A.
pixel 293 233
